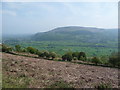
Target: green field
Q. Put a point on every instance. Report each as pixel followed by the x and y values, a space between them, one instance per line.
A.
pixel 61 47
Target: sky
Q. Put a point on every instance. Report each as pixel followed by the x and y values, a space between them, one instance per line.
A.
pixel 33 17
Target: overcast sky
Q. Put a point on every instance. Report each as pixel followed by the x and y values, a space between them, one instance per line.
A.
pixel 33 17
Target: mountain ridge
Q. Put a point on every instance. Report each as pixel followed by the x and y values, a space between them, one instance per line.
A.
pixel 80 27
pixel 77 33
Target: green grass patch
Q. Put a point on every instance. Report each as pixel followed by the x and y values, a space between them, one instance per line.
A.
pixel 61 47
pixel 103 86
pixel 15 82
pixel 60 84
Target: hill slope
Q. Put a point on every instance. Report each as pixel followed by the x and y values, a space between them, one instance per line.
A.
pixel 19 71
pixel 79 34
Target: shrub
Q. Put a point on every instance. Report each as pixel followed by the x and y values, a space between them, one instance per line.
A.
pixel 96 60
pixel 75 54
pixel 75 58
pixel 104 60
pixel 53 55
pixel 82 58
pixel 18 48
pixel 64 57
pixel 46 54
pixel 6 48
pixel 113 59
pixel 81 54
pixel 24 50
pixel 32 50
pixel 40 54
pixel 67 56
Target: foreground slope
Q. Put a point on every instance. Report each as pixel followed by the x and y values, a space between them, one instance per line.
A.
pixel 20 71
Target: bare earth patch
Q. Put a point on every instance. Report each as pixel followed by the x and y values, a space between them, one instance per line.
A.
pixel 43 73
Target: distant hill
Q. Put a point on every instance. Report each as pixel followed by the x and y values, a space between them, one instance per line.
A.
pixel 79 34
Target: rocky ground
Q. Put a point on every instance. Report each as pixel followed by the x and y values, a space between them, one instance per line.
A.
pixel 21 71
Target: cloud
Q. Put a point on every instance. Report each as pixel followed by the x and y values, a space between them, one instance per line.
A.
pixel 12 13
pixel 42 16
pixel 72 8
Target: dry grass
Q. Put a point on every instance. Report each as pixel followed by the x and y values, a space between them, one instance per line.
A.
pixel 20 71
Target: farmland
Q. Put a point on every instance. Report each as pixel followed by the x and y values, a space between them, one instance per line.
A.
pixel 61 47
pixel 92 41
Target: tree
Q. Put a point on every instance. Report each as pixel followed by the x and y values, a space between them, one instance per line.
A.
pixel 18 48
pixel 32 50
pixel 41 54
pixel 6 48
pixel 105 60
pixel 75 54
pixel 96 60
pixel 53 55
pixel 113 59
pixel 75 58
pixel 24 50
pixel 46 54
pixel 81 54
pixel 82 58
pixel 38 52
pixel 67 56
pixel 64 57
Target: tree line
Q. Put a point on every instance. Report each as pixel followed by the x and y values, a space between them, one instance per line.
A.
pixel 112 60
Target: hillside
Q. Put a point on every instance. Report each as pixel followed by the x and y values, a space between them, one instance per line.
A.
pixel 21 72
pixel 78 34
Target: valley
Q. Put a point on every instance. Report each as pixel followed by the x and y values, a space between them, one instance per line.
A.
pixel 93 41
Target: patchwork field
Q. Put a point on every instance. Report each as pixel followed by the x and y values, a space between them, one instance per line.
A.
pixel 61 47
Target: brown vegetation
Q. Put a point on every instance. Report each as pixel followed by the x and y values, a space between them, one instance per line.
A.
pixel 41 73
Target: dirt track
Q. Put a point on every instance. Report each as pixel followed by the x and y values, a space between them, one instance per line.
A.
pixel 45 72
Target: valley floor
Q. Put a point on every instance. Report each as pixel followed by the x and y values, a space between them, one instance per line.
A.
pixel 26 72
